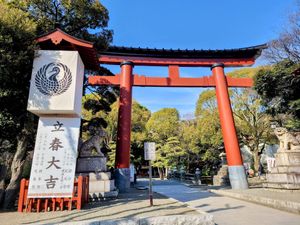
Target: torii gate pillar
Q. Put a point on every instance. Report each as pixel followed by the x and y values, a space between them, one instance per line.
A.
pixel 236 169
pixel 122 162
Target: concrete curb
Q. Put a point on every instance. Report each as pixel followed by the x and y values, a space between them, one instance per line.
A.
pixel 293 207
pixel 204 219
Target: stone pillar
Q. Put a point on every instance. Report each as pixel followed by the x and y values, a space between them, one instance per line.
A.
pixel 286 173
pixel 122 171
pixel 222 177
pixel 236 169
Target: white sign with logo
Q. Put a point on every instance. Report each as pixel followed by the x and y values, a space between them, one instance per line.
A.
pixel 56 83
pixel 54 159
pixel 149 150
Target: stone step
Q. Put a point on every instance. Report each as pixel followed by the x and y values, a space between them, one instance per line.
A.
pixel 96 176
pixel 286 169
pixel 98 186
pixel 282 186
pixel 289 158
pixel 291 178
pixel 103 195
pixel 221 181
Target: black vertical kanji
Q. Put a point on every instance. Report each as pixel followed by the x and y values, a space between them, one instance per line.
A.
pixel 55 144
pixel 51 182
pixel 52 163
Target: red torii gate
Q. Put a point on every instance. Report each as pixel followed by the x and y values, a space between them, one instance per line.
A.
pixel 127 58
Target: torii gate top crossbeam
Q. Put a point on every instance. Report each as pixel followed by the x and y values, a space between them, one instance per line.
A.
pixel 92 58
pixel 189 58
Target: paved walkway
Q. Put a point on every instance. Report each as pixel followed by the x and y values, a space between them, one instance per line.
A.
pixel 226 211
pixel 130 205
pixel 286 200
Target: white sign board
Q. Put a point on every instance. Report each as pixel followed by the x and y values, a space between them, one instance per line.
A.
pixel 149 150
pixel 56 83
pixel 54 158
pixel 132 172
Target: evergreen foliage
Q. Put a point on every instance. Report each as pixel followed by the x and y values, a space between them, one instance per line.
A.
pixel 279 89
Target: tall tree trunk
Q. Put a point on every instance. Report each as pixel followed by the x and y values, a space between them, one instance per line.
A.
pixel 3 172
pixel 256 159
pixel 16 170
pixel 161 173
pixel 167 172
pixel 6 158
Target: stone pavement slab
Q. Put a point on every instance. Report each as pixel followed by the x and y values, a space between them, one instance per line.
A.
pixel 283 200
pixel 157 220
pixel 226 211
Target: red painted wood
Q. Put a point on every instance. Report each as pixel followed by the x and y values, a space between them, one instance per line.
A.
pixel 38 206
pixel 21 195
pixel 58 35
pixel 29 205
pixel 148 61
pixel 124 117
pixel 53 204
pixel 174 71
pixel 172 81
pixel 46 205
pixel 79 192
pixel 231 143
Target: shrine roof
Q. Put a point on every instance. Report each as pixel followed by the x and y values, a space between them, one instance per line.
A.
pixel 59 40
pixel 248 52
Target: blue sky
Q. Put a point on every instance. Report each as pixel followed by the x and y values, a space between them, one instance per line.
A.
pixel 206 24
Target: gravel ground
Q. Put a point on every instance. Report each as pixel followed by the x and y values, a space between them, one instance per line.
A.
pixel 134 204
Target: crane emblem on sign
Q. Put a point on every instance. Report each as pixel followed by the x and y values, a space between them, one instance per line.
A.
pixel 53 79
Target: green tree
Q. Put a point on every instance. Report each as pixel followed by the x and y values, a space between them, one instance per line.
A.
pixel 140 116
pixel 189 142
pixel 208 130
pixel 279 89
pixel 168 155
pixel 76 17
pixel 17 31
pixel 253 124
pixel 163 124
pixel 162 128
pixel 278 85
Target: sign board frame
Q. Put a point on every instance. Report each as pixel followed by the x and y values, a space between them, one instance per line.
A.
pixel 54 160
pixel 149 151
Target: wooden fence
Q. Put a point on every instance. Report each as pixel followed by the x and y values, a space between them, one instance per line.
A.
pixel 80 197
pixel 191 178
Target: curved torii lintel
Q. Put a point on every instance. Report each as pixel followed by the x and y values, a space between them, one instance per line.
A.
pixel 59 40
pixel 188 58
